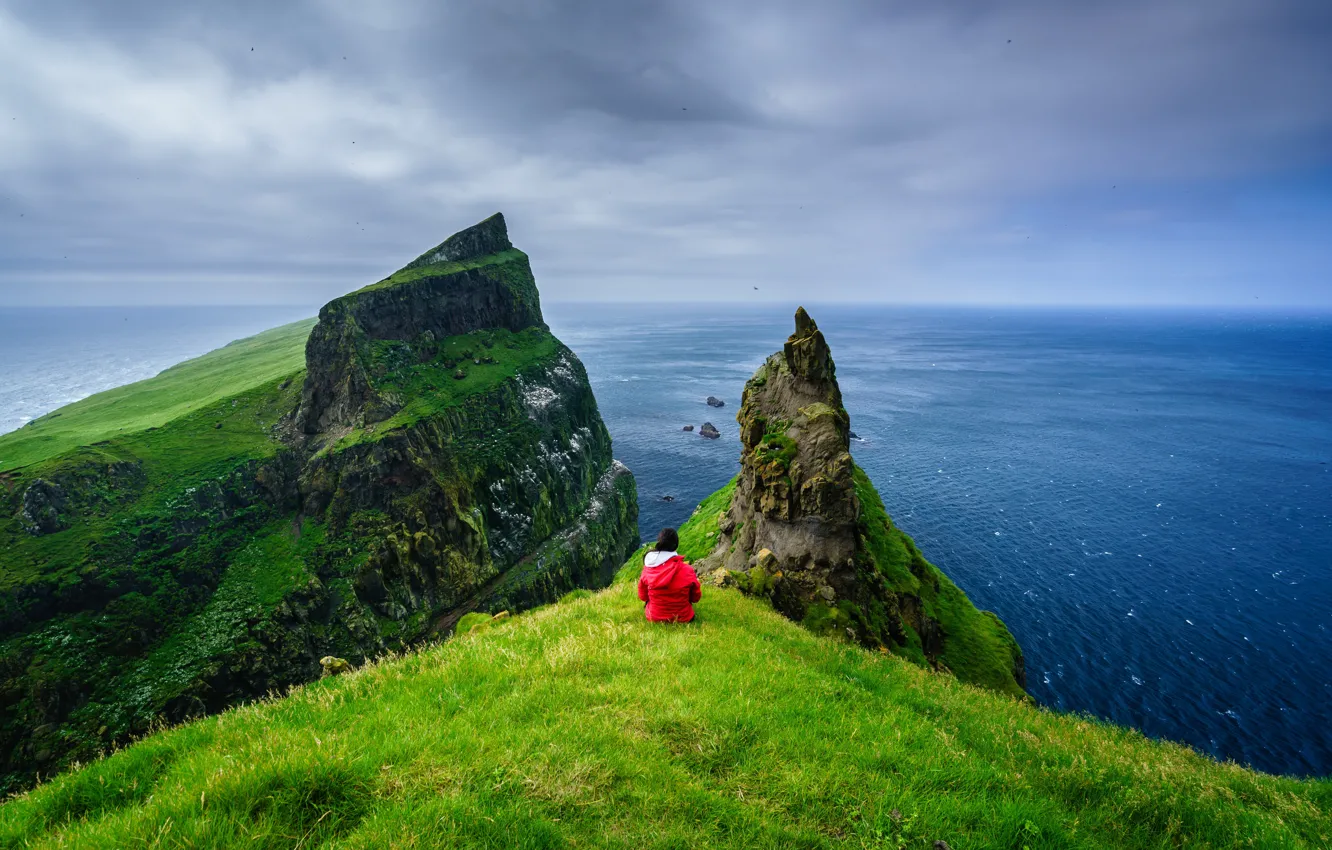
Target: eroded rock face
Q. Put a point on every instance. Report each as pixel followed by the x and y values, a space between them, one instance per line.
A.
pixel 795 505
pixel 487 237
pixel 44 504
pixel 806 529
pixel 430 298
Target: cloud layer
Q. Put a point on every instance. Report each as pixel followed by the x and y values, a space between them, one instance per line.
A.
pixel 1149 151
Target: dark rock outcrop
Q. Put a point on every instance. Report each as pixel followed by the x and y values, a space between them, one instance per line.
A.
pixel 687 428
pixel 44 507
pixel 796 495
pixel 486 237
pixel 709 430
pixel 806 529
pixel 713 401
pixel 446 292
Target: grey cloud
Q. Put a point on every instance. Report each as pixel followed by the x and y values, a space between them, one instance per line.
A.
pixel 643 150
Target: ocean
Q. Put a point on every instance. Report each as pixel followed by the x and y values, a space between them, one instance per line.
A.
pixel 1144 498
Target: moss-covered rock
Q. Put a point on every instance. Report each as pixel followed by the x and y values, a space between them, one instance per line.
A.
pixel 805 528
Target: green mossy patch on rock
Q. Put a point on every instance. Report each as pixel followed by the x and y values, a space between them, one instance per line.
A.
pixel 421 378
pixel 471 622
pixel 974 645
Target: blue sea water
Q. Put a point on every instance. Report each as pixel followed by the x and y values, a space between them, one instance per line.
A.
pixel 51 356
pixel 1145 499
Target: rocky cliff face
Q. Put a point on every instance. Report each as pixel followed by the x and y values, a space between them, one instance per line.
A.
pixel 806 529
pixel 440 453
pixel 473 280
pixel 795 498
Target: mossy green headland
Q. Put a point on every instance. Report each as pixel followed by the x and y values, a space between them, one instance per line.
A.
pixel 349 486
pixel 580 725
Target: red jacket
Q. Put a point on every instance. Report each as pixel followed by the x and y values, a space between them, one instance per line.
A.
pixel 669 586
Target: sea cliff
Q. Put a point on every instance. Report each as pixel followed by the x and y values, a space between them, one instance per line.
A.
pixel 438 451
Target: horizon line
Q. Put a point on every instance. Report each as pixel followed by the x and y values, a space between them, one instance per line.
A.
pixel 972 305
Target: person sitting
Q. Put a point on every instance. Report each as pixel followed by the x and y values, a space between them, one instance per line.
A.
pixel 668 585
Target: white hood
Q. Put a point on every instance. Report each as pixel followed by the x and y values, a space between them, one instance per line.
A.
pixel 656 559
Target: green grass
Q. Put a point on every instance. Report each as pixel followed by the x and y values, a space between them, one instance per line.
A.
pixel 186 387
pixel 444 269
pixel 580 725
pixel 978 647
pixel 435 385
pixel 553 731
pixel 198 447
pixel 698 536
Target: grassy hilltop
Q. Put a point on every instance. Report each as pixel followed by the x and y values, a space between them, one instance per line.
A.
pixel 579 725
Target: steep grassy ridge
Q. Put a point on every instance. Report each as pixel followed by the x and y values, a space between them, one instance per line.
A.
pixel 192 541
pixel 186 387
pixel 579 725
pixel 979 648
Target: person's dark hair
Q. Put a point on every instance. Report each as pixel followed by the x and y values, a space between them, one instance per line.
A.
pixel 668 540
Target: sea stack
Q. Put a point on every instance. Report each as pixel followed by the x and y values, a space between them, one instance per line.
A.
pixel 806 528
pixel 796 500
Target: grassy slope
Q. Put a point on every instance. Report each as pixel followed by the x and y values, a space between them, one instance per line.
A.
pixel 189 451
pixel 581 725
pixel 430 387
pixel 979 648
pixel 186 387
pixel 406 275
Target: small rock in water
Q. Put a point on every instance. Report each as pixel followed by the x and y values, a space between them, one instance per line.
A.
pixel 853 435
pixel 709 431
pixel 668 498
pixel 689 427
pixel 713 401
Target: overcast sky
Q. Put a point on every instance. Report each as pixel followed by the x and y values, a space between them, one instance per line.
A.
pixel 1046 151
